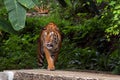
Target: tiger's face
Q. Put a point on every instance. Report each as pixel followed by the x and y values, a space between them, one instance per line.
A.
pixel 50 40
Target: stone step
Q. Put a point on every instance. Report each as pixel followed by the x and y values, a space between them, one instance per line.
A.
pixel 3 76
pixel 41 74
pixel 8 75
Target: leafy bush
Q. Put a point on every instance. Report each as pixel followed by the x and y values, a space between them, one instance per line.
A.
pixel 18 52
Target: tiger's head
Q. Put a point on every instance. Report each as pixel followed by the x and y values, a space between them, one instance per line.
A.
pixel 50 36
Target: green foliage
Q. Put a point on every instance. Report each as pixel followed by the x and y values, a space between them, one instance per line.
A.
pixel 28 4
pixel 1 3
pixel 17 12
pixel 18 52
pixel 4 25
pixel 114 11
pixel 88 44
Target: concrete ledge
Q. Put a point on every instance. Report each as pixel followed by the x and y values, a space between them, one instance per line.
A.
pixel 3 76
pixel 41 74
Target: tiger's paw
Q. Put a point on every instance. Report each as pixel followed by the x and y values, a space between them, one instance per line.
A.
pixel 51 68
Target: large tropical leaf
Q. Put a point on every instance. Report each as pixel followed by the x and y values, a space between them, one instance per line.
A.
pixel 5 26
pixel 27 3
pixel 17 14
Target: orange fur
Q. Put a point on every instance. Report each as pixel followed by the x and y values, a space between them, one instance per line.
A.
pixel 49 45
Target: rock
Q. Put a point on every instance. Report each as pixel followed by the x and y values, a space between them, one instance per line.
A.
pixel 3 76
pixel 41 74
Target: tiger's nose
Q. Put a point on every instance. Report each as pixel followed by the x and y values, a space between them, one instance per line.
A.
pixel 49 45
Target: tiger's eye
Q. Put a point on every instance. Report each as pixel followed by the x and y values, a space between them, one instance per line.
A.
pixel 43 28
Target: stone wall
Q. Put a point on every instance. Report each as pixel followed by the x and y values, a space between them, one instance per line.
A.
pixel 41 74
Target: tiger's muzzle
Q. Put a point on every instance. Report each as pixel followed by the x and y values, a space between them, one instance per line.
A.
pixel 49 45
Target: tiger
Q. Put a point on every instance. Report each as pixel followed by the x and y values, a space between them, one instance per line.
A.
pixel 49 44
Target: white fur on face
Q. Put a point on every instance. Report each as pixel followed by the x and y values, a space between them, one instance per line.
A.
pixel 45 33
pixel 51 33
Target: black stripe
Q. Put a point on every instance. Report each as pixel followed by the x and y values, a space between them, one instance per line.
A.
pixel 40 59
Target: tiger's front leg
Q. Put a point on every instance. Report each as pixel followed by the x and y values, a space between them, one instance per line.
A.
pixel 55 57
pixel 50 60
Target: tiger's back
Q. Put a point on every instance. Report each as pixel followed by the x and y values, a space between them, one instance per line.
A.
pixel 49 45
